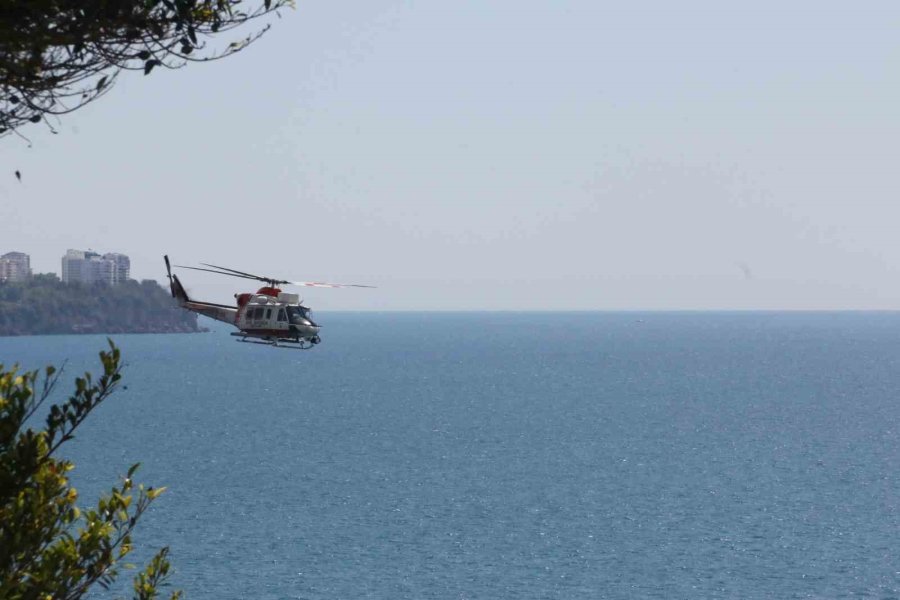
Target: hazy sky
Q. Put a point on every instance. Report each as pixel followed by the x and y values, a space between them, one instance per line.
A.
pixel 500 155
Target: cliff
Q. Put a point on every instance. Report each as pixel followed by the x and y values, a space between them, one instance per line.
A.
pixel 45 305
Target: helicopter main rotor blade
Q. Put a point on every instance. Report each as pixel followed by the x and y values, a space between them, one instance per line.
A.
pixel 322 284
pixel 282 281
pixel 217 272
pixel 251 275
pixel 270 280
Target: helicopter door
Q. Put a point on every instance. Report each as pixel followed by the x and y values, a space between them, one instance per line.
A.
pixel 254 316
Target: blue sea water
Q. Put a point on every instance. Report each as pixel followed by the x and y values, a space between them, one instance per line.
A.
pixel 512 455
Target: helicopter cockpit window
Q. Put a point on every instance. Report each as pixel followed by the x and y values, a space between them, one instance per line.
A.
pixel 298 314
pixel 282 316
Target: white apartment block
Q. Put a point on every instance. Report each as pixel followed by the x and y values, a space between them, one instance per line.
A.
pixel 15 266
pixel 122 266
pixel 90 267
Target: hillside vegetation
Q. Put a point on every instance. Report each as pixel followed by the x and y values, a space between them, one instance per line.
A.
pixel 46 305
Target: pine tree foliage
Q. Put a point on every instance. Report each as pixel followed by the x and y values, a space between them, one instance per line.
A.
pixel 58 55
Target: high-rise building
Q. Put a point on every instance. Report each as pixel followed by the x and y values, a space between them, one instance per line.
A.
pixel 90 267
pixel 121 268
pixel 75 267
pixel 15 266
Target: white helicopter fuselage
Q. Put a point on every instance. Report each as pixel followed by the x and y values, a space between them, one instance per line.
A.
pixel 277 316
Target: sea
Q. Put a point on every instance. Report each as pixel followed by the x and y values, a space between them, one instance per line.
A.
pixel 509 455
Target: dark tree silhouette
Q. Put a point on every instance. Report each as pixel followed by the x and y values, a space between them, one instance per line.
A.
pixel 58 55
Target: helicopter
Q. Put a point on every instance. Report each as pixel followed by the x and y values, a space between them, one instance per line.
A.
pixel 270 316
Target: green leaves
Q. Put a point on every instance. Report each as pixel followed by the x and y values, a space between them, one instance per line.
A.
pixel 148 581
pixel 65 418
pixel 51 548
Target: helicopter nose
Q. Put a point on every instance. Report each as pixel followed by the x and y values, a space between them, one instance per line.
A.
pixel 306 329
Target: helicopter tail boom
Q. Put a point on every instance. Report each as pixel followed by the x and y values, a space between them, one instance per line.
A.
pixel 219 312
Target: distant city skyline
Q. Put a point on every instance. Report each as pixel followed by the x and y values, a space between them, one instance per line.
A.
pixel 84 266
pixel 502 156
pixel 90 267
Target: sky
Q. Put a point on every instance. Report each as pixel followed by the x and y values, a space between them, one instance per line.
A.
pixel 500 155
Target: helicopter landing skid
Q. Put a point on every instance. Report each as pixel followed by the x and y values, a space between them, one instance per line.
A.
pixel 285 344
